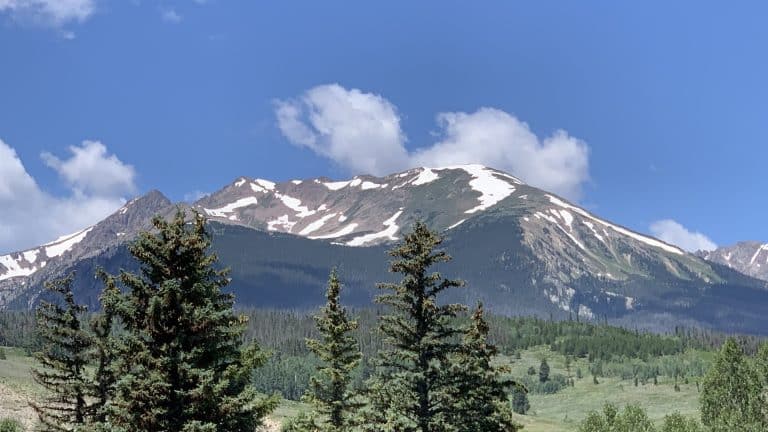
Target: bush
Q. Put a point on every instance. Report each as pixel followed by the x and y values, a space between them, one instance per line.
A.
pixel 10 425
pixel 2 354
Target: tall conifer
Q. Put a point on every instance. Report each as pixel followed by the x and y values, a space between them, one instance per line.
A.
pixel 179 362
pixel 412 389
pixel 65 354
pixel 481 401
pixel 329 391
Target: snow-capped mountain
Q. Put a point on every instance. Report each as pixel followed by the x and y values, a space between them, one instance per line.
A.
pixel 749 257
pixel 521 249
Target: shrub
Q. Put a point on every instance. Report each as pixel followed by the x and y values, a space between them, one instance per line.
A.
pixel 10 425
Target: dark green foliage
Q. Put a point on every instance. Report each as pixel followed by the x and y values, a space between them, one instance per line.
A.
pixel 10 425
pixel 2 354
pixel 179 362
pixel 631 419
pixel 480 398
pixel 543 371
pixel 520 402
pixel 531 371
pixel 413 386
pixel 678 423
pixel 729 396
pixel 330 394
pixel 65 355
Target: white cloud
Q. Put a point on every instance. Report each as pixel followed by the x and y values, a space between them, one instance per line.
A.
pixel 674 233
pixel 361 132
pixel 31 216
pixel 92 171
pixel 54 13
pixel 170 15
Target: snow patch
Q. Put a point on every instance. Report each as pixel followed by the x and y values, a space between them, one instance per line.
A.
pixel 426 175
pixel 295 204
pixel 229 208
pixel 316 225
pixel 30 256
pixel 334 186
pixel 296 182
pixel 388 233
pixel 349 229
pixel 240 182
pixel 456 224
pixel 641 238
pixel 492 189
pixel 342 218
pixel 371 185
pixel 63 244
pixel 283 221
pixel 266 184
pixel 757 252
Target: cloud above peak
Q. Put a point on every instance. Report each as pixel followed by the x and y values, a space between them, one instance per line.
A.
pixel 674 233
pixel 361 133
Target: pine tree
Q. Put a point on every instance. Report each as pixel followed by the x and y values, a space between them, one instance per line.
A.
pixel 480 399
pixel 64 357
pixel 329 393
pixel 180 362
pixel 729 391
pixel 101 327
pixel 412 386
pixel 543 371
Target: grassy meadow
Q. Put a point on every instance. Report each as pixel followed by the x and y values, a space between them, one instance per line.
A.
pixel 557 412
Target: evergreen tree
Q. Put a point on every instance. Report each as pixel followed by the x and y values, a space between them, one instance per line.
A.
pixel 330 393
pixel 761 397
pixel 543 371
pixel 65 354
pixel 101 328
pixel 480 399
pixel 412 388
pixel 180 362
pixel 2 354
pixel 728 397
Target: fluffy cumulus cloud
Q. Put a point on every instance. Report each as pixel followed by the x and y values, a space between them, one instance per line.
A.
pixel 91 170
pixel 361 133
pixel 53 13
pixel 674 233
pixel 31 216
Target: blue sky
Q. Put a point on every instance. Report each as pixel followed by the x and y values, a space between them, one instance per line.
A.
pixel 641 112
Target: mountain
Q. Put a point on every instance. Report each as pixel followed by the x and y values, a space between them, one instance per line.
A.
pixel 520 249
pixel 749 257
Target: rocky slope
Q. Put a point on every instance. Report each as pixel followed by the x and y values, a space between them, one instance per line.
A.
pixel 749 257
pixel 521 249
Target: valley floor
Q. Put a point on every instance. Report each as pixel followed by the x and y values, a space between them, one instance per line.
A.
pixel 560 412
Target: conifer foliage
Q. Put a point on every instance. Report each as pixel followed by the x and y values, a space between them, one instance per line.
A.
pixel 330 393
pixel 66 353
pixel 413 387
pixel 481 401
pixel 180 362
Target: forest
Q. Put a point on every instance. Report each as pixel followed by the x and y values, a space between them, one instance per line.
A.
pixel 168 351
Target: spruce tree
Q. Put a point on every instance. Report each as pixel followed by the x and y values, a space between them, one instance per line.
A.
pixel 329 392
pixel 480 401
pixel 543 371
pixel 728 398
pixel 412 388
pixel 180 362
pixel 64 357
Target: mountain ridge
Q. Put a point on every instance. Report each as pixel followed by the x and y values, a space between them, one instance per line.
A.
pixel 558 257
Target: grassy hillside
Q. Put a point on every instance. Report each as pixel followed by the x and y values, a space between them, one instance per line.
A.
pixel 558 412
